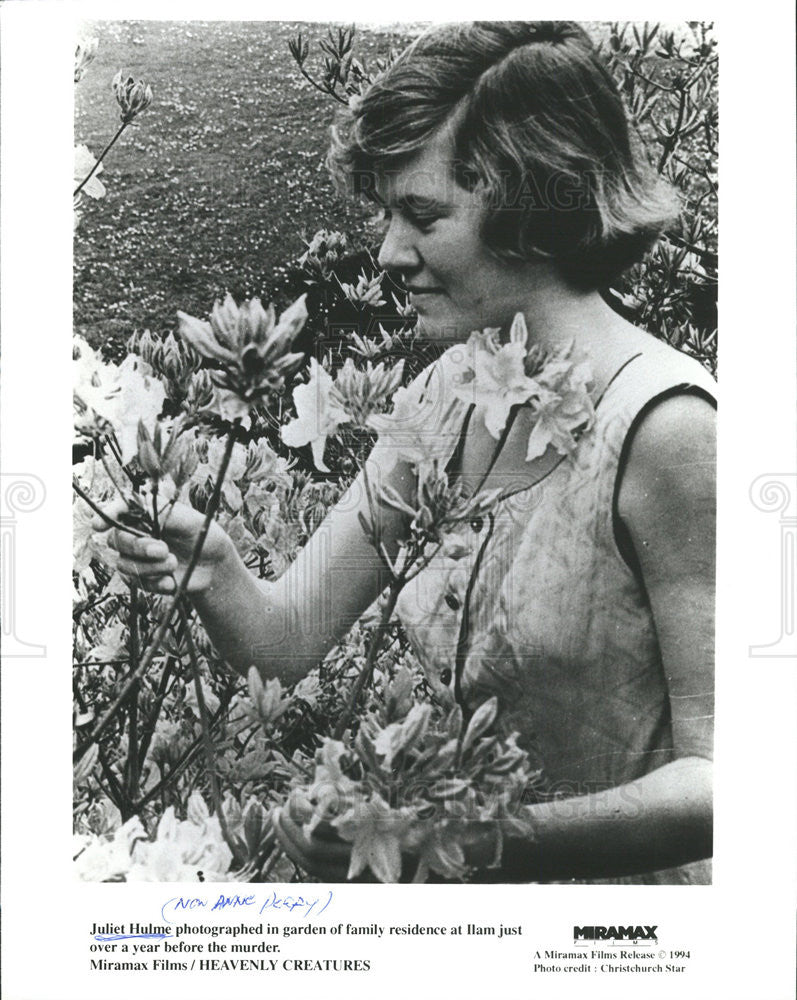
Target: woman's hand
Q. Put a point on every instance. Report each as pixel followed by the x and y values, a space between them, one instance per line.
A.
pixel 327 857
pixel 158 565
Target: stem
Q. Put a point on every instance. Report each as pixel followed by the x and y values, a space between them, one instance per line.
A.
pixel 323 90
pixel 101 513
pixel 210 752
pixel 368 668
pixel 100 158
pixel 108 472
pixel 165 621
pixel 672 139
pixel 276 854
pixel 152 719
pixel 156 530
pixel 116 794
pixel 182 763
pixel 132 726
pixel 82 609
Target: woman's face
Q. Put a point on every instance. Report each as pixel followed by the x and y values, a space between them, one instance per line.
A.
pixel 433 241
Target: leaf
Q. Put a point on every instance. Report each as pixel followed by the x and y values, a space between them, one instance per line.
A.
pixel 398 698
pixel 366 750
pixel 388 742
pixel 414 727
pixel 448 788
pixel 483 718
pixel 442 853
pixel 253 765
pixel 255 684
pixel 85 765
pixel 454 722
pixel 257 825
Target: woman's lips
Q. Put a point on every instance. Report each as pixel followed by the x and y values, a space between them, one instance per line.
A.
pixel 415 292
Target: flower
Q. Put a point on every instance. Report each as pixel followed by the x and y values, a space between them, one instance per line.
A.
pixel 414 430
pixel 439 506
pixel 317 414
pixel 495 377
pixel 332 791
pixel 84 164
pixel 102 860
pixel 183 847
pixel 110 398
pixel 323 251
pixel 376 833
pixel 405 309
pixel 250 346
pixel 361 393
pixel 85 51
pixel 133 96
pixel 559 418
pixel 367 291
pixel 367 347
pixel 496 380
pixel 268 701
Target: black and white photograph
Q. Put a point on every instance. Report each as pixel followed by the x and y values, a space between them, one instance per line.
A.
pixel 395 561
pixel 395 502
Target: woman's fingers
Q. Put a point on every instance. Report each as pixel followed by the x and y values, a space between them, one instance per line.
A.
pixel 147 567
pixel 142 548
pixel 112 512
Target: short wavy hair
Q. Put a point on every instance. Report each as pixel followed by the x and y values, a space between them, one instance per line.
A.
pixel 539 129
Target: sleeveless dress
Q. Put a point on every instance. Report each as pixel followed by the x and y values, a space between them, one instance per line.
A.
pixel 546 613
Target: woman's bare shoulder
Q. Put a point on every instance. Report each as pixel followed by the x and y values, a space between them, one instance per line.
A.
pixel 671 466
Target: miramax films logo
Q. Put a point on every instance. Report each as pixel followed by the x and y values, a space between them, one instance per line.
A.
pixel 615 933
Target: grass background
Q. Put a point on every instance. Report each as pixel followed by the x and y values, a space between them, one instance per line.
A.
pixel 211 188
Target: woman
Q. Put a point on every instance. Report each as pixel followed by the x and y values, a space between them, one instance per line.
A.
pixel 500 154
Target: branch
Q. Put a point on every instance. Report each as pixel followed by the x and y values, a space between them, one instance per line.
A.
pixel 165 621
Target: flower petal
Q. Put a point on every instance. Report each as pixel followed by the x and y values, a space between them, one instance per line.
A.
pixel 199 335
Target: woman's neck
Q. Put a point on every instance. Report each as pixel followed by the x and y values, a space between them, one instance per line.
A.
pixel 557 314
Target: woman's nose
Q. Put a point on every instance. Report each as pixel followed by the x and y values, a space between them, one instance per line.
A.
pixel 398 251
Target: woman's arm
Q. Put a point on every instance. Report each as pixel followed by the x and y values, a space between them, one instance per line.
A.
pixel 667 501
pixel 284 627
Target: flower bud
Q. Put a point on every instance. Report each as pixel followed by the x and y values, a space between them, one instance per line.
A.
pixel 146 346
pixel 133 96
pixel 148 457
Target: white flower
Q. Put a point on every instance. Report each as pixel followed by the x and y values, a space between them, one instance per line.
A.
pixel 104 860
pixel 84 164
pixel 182 848
pixel 318 416
pixel 415 430
pixel 133 96
pixel 115 398
pixel 496 380
pixel 360 393
pixel 557 417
